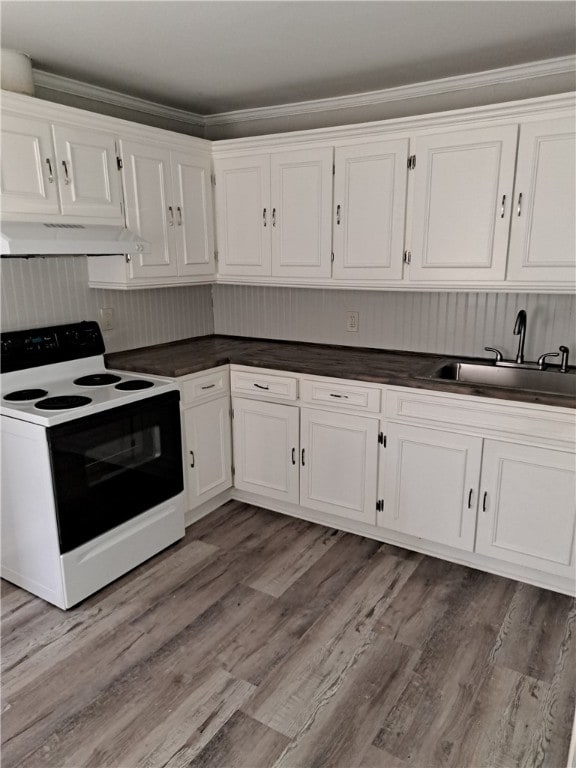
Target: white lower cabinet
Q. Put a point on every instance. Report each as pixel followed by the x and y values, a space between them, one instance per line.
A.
pixel 339 464
pixel 526 511
pixel 430 484
pixel 208 450
pixel 266 439
pixel 318 459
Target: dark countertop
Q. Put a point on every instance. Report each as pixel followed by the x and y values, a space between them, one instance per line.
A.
pixel 406 369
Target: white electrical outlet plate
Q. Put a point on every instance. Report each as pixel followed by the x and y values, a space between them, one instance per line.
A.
pixel 106 318
pixel 352 321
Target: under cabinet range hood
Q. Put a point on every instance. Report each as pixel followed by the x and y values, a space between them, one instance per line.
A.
pixel 24 238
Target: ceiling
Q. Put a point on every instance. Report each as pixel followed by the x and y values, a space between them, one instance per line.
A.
pixel 217 56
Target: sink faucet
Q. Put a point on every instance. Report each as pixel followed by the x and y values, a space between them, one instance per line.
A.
pixel 520 330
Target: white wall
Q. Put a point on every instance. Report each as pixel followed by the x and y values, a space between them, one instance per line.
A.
pixel 38 292
pixel 443 323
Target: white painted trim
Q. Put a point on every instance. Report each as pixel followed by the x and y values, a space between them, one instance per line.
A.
pixel 558 66
pixel 60 84
pixel 549 67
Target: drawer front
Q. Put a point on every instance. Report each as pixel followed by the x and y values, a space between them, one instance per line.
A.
pixel 488 417
pixel 264 385
pixel 214 383
pixel 346 396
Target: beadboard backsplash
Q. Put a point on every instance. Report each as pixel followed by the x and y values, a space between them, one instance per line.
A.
pixel 49 291
pixel 443 323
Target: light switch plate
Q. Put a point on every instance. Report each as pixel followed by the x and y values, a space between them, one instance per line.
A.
pixel 106 318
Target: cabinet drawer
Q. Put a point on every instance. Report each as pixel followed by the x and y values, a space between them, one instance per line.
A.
pixel 346 395
pixel 482 415
pixel 214 383
pixel 264 385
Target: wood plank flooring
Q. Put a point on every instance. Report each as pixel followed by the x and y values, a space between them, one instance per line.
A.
pixel 261 641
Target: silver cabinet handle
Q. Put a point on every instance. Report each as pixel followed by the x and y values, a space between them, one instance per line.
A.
pixel 170 216
pixel 343 397
pixel 303 454
pixel 503 208
pixel 273 217
pixel 519 211
pixel 261 386
pixel 294 456
pixel 208 386
pixel 50 174
pixel 338 209
pixel 179 216
pixel 66 176
pixel 264 221
pixel 484 501
pixel 193 459
pixel 470 498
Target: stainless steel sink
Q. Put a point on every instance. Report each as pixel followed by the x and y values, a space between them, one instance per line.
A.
pixel 513 378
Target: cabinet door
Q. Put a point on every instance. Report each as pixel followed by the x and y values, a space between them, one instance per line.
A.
pixel 370 208
pixel 527 510
pixel 243 216
pixel 207 460
pixel 430 484
pixel 338 457
pixel 150 209
pixel 28 171
pixel 266 448
pixel 194 214
pixel 462 189
pixel 301 196
pixel 543 216
pixel 88 174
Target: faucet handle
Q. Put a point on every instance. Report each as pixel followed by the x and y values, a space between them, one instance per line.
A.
pixel 542 359
pixel 496 352
pixel 564 361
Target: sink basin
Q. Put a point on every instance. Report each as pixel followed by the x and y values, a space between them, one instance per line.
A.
pixel 513 378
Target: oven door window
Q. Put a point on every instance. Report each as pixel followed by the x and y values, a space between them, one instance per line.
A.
pixel 110 467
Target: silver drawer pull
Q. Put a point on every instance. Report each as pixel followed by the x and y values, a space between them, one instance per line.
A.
pixel 344 397
pixel 519 212
pixel 193 460
pixel 66 177
pixel 264 221
pixel 179 216
pixel 261 386
pixel 503 208
pixel 208 386
pixel 170 216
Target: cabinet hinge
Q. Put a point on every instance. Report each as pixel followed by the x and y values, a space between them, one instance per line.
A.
pixel 411 162
pixel 119 163
pixel 382 439
pixel 407 257
pixel 380 505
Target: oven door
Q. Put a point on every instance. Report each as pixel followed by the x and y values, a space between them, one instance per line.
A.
pixel 111 466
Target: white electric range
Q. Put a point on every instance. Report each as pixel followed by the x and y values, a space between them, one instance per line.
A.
pixel 91 462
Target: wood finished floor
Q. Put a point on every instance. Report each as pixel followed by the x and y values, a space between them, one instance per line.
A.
pixel 261 640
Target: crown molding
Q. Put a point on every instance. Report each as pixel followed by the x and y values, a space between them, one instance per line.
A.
pixel 550 67
pixel 60 84
pixel 558 66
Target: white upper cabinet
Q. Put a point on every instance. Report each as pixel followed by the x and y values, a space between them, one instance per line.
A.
pixel 370 208
pixel 28 182
pixel 543 235
pixel 301 216
pixel 194 231
pixel 243 219
pixel 88 172
pixel 274 214
pixel 168 199
pixel 58 170
pixel 150 210
pixel 462 198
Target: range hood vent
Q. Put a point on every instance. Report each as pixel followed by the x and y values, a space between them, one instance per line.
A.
pixel 24 238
